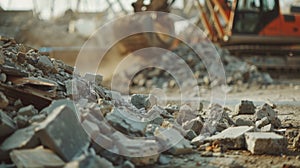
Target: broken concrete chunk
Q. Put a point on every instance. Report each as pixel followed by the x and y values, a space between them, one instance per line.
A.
pixel 3 77
pixel 173 140
pixel 3 101
pixel 139 100
pixel 267 128
pixel 195 124
pixel 140 151
pixel 190 135
pixel 128 124
pixel 7 126
pixel 186 113
pixel 262 122
pixel 243 120
pixel 21 139
pixel 245 107
pixel 296 141
pixel 143 101
pixel 231 138
pixel 37 118
pixel 45 64
pixel 265 143
pixel 38 157
pixel 94 78
pixel 28 111
pixel 21 121
pixel 128 164
pixel 90 161
pixel 267 111
pixel 56 103
pixel 63 133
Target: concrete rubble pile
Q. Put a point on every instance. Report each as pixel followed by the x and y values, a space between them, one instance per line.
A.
pixel 50 117
pixel 237 71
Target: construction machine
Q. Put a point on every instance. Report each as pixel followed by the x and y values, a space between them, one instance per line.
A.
pixel 263 32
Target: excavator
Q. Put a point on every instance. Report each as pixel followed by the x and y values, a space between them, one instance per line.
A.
pixel 263 32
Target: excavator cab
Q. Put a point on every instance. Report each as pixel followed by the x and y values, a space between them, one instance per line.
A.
pixel 252 16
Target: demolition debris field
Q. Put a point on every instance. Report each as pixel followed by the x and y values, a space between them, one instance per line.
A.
pixel 53 117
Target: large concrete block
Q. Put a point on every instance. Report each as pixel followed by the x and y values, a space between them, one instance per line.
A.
pixel 36 158
pixel 265 143
pixel 232 138
pixel 63 133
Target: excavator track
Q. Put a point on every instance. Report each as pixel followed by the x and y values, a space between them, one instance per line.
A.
pixel 281 61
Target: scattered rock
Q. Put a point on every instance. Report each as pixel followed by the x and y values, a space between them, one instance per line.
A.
pixel 267 111
pixel 232 138
pixel 3 101
pixel 296 141
pixel 38 157
pixel 140 151
pixel 3 77
pixel 243 120
pixel 128 164
pixel 55 133
pixel 90 161
pixel 7 126
pixel 245 107
pixel 128 124
pixel 21 139
pixel 143 101
pixel 163 159
pixel 265 143
pixel 28 111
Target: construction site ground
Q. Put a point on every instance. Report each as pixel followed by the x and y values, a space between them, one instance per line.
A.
pixel 287 99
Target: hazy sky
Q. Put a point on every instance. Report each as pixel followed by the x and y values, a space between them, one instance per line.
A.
pixel 43 6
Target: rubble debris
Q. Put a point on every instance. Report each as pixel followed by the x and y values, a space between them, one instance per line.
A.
pixel 140 151
pixel 21 121
pixel 296 141
pixel 90 161
pixel 231 138
pixel 164 159
pixel 126 124
pixel 45 64
pixel 7 126
pixel 194 124
pixel 3 101
pixel 267 111
pixel 21 139
pixel 172 140
pixel 243 120
pixel 55 133
pixel 28 111
pixel 237 71
pixel 245 107
pixel 94 78
pixel 128 164
pixel 185 114
pixel 38 157
pixel 266 143
pixel 143 101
